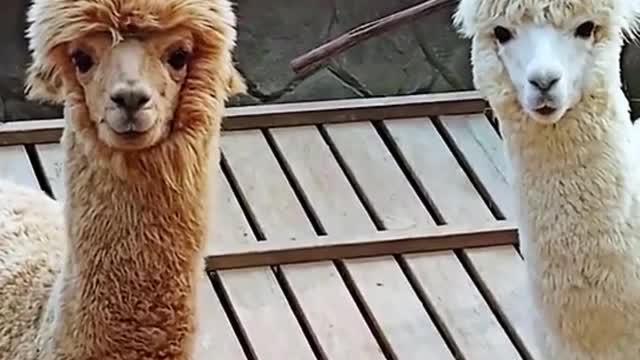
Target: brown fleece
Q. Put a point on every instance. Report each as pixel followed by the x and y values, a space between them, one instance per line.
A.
pixel 135 221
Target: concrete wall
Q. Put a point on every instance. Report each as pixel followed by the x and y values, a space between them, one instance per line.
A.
pixel 423 57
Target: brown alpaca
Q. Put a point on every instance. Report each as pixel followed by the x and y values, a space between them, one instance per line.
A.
pixel 144 84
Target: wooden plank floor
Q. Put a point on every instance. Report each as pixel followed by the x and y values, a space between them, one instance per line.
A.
pixel 309 183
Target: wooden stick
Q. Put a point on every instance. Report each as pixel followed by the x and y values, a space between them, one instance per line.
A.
pixel 316 57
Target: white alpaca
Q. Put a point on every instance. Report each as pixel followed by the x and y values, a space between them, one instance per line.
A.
pixel 550 70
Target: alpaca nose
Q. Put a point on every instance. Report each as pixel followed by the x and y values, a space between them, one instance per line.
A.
pixel 130 99
pixel 544 83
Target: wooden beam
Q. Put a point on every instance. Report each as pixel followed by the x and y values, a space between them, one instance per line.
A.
pixel 441 238
pixel 31 131
pixel 290 114
pixel 350 110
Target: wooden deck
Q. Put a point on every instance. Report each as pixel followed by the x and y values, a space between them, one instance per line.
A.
pixel 357 229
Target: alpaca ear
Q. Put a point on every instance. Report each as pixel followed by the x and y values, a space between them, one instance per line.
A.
pixel 236 84
pixel 631 28
pixel 44 84
pixel 462 17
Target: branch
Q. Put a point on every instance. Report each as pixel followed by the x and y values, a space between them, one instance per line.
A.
pixel 323 53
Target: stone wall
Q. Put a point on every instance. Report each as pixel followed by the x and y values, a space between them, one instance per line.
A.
pixel 423 57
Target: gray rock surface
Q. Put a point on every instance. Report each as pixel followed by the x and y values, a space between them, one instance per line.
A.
pixel 423 57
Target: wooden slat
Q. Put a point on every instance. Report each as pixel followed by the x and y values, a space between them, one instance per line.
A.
pixel 402 318
pixel 265 315
pixel 255 295
pixel 365 153
pixel 457 301
pixel 482 148
pixel 500 270
pixel 52 160
pixel 301 113
pixel 502 274
pixel 16 167
pixel 407 328
pixel 326 187
pixel 216 337
pixel 325 303
pixel 229 228
pixel 450 291
pixel 437 172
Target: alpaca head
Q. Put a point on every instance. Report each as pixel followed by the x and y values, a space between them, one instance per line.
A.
pixel 131 88
pixel 541 58
pixel 133 72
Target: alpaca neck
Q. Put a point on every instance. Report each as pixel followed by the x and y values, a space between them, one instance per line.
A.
pixel 134 251
pixel 576 177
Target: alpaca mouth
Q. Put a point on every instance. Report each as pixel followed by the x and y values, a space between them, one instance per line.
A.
pixel 130 136
pixel 130 128
pixel 545 110
pixel 131 131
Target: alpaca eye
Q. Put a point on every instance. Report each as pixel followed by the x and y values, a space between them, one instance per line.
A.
pixel 585 30
pixel 502 34
pixel 82 61
pixel 178 59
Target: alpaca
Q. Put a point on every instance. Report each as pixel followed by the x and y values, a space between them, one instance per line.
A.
pixel 550 71
pixel 114 273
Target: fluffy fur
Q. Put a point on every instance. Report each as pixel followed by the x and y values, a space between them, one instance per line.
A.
pixel 31 248
pixel 120 281
pixel 576 180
